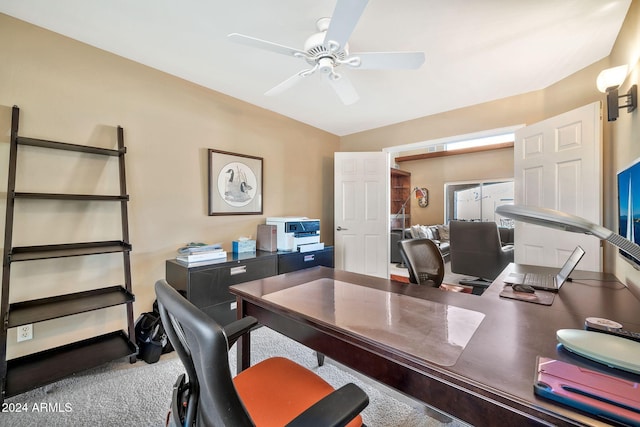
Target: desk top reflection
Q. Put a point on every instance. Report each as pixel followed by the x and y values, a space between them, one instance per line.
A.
pixel 400 322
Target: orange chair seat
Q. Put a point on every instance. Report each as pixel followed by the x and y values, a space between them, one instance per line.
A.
pixel 272 401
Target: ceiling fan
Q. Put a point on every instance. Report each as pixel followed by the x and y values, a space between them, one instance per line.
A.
pixel 327 50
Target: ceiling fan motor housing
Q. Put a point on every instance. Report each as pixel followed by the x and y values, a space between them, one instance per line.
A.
pixel 317 51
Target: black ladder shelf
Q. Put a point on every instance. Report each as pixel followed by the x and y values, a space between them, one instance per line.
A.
pixel 35 370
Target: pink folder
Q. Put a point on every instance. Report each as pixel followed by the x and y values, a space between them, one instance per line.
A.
pixel 600 394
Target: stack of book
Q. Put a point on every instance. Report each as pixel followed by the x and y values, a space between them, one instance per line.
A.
pixel 200 253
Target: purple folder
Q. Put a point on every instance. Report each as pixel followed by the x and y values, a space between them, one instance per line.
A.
pixel 605 396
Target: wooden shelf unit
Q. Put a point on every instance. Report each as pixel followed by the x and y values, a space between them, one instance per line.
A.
pixel 400 190
pixel 37 369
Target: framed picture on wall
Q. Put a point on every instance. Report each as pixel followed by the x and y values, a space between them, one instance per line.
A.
pixel 235 184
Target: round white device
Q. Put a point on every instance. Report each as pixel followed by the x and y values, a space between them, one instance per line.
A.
pixel 613 351
pixel 598 321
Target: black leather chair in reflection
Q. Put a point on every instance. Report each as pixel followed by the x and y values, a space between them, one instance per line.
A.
pixel 423 260
pixel 276 391
pixel 476 250
pixel 425 263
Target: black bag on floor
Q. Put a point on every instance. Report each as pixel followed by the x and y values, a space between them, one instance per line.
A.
pixel 166 347
pixel 151 337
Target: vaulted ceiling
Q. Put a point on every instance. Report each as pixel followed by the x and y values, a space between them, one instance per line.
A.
pixel 475 50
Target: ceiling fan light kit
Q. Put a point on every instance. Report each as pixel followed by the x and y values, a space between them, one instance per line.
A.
pixel 327 50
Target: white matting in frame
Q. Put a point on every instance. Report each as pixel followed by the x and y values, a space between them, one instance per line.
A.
pixel 235 184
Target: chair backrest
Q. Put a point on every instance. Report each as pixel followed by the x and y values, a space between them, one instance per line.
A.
pixel 476 249
pixel 423 260
pixel 202 347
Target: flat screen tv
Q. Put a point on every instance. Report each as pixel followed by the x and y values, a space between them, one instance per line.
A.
pixel 629 206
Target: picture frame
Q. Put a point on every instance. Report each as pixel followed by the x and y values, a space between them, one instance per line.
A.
pixel 235 183
pixel 423 197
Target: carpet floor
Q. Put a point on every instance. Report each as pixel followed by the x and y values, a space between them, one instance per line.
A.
pixel 124 394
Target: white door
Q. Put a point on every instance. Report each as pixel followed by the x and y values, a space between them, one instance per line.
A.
pixel 558 165
pixel 361 216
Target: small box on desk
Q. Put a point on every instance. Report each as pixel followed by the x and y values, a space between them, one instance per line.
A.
pixel 267 237
pixel 240 246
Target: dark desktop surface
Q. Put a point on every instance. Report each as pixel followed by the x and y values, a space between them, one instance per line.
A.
pixel 490 380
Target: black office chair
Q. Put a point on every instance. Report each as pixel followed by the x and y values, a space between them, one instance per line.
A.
pixel 476 250
pixel 425 263
pixel 423 260
pixel 276 391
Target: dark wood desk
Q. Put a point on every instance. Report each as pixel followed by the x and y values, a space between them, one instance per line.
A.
pixel 487 381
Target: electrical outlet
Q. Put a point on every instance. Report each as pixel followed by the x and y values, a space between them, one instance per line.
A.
pixel 25 332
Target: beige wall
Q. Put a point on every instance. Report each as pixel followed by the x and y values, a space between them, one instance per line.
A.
pixel 434 173
pixel 75 93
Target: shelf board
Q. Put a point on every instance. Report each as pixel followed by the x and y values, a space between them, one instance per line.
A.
pixel 435 154
pixel 59 196
pixel 68 147
pixel 39 369
pixel 400 172
pixel 38 310
pixel 30 253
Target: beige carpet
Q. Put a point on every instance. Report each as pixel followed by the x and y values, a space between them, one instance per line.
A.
pixel 122 394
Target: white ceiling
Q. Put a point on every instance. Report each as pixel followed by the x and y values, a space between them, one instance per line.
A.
pixel 476 50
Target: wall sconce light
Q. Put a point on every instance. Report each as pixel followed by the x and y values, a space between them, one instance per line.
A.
pixel 608 82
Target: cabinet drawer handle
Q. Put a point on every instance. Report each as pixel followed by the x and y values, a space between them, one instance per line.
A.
pixel 238 270
pixel 308 258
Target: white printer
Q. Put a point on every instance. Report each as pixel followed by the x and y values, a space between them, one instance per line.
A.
pixel 297 233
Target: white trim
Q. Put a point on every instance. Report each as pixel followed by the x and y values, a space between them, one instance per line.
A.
pixel 451 139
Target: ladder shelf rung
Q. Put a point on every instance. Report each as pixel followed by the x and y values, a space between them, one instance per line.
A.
pixel 38 310
pixel 79 197
pixel 31 253
pixel 34 142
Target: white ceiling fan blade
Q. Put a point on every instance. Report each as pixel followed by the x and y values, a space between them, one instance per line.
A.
pixel 343 87
pixel 263 44
pixel 344 19
pixel 389 60
pixel 287 84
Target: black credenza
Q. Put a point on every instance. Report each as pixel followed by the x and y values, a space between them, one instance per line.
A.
pixel 207 286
